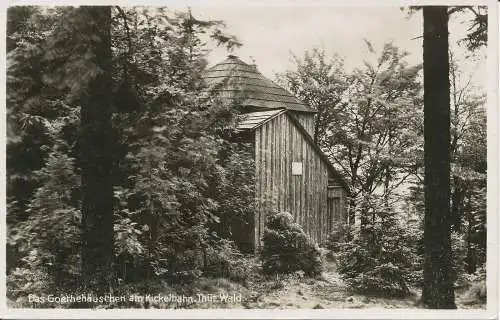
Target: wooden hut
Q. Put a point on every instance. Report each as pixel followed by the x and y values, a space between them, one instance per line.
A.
pixel 291 172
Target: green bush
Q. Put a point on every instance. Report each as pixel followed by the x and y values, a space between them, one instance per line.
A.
pixel 47 243
pixel 224 260
pixel 23 281
pixel 386 279
pixel 287 248
pixel 477 290
pixel 380 260
pixel 337 237
pixel 472 287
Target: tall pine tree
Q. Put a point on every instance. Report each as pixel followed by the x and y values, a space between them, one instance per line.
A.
pixel 96 156
pixel 438 288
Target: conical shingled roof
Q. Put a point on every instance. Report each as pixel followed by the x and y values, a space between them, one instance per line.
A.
pixel 237 80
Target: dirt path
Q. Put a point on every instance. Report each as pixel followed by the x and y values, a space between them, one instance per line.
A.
pixel 291 292
pixel 295 291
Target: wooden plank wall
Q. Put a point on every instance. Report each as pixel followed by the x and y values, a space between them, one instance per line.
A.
pixel 340 210
pixel 306 119
pixel 278 143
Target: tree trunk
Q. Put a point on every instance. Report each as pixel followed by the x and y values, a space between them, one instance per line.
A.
pixel 438 290
pixel 351 213
pixel 366 228
pixel 96 157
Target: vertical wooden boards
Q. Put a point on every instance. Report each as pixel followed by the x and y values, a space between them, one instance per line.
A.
pixel 270 162
pixel 293 179
pixel 269 165
pixel 312 214
pixel 338 211
pixel 278 143
pixel 297 149
pixel 316 180
pixel 343 206
pixel 321 192
pixel 289 178
pixel 336 206
pixel 276 164
pixel 258 186
pixel 272 147
pixel 303 187
pixel 309 121
pixel 281 163
pixel 306 148
pixel 306 119
pixel 308 169
pixel 285 151
pixel 324 200
pixel 267 177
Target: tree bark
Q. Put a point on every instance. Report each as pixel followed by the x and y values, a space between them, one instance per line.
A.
pixel 438 287
pixel 96 157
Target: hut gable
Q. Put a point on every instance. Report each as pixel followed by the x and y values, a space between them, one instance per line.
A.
pixel 253 120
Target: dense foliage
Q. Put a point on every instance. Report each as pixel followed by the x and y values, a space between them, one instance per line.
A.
pixel 174 157
pixel 287 248
pixel 387 264
pixel 370 123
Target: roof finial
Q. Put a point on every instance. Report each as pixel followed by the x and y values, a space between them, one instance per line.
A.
pixel 253 64
pixel 232 56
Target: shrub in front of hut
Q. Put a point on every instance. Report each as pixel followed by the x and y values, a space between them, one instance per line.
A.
pixel 287 248
pixel 381 259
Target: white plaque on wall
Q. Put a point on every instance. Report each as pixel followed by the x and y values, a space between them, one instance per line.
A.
pixel 296 168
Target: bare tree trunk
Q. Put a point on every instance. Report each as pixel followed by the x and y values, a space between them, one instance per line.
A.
pixel 438 290
pixel 96 157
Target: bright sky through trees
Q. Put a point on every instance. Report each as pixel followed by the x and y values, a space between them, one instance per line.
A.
pixel 270 34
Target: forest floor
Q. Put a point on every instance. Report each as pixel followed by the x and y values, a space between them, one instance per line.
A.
pixel 294 291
